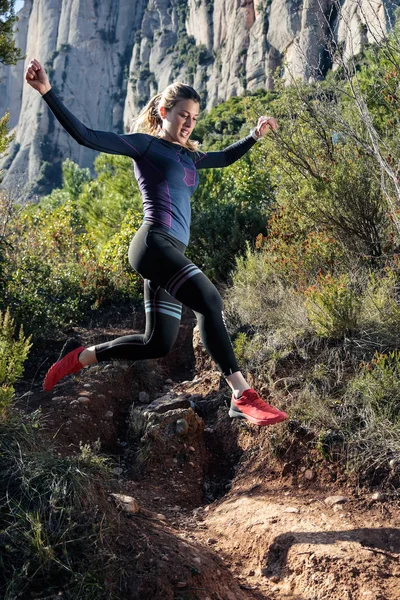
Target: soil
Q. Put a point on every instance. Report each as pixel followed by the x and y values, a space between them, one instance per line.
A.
pixel 218 515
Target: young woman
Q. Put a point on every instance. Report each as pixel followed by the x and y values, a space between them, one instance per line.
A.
pixel 166 162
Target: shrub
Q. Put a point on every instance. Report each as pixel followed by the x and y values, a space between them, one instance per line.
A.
pixel 14 351
pixel 53 273
pixel 230 209
pixel 380 313
pixel 260 300
pixel 114 256
pixel 51 524
pixel 332 306
pixel 370 414
pixel 297 253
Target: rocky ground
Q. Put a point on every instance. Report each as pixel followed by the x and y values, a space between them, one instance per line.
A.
pixel 202 508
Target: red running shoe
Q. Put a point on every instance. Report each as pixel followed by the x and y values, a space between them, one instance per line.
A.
pixel 67 364
pixel 253 408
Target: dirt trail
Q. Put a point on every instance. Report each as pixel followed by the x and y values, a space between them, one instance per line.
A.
pixel 220 518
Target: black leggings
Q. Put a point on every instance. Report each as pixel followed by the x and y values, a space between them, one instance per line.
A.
pixel 170 280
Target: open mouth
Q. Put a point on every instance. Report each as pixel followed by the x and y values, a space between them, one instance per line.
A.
pixel 185 132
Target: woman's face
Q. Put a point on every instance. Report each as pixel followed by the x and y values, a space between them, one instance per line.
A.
pixel 179 121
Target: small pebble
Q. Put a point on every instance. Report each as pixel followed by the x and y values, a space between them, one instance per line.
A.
pixel 331 500
pixel 84 400
pixel 378 496
pixel 181 585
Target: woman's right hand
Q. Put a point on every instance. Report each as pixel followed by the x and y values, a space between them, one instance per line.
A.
pixel 37 77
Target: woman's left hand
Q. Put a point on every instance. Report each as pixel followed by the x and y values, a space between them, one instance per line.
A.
pixel 264 125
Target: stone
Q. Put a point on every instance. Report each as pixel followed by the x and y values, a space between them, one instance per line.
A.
pixel 309 474
pixel 169 382
pixel 128 503
pixel 143 397
pixel 109 414
pixel 181 585
pixel 291 509
pixel 166 403
pixel 331 500
pixel 84 400
pixel 195 398
pixel 181 427
pixel 378 497
pixel 58 398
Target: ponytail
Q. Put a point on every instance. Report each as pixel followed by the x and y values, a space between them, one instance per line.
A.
pixel 149 120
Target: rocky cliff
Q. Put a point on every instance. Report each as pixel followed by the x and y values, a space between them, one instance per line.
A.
pixel 106 58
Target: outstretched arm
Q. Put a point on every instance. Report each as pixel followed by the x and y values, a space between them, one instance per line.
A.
pixel 232 153
pixel 103 141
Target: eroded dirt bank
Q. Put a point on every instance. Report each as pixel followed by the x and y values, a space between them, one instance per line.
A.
pixel 216 516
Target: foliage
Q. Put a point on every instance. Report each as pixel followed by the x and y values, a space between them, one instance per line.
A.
pixel 114 256
pixel 321 175
pixel 9 54
pixel 104 201
pixel 380 313
pixel 55 277
pixel 378 385
pixel 5 140
pixel 14 351
pixel 296 253
pixel 332 306
pixel 231 205
pixel 50 521
pixel 73 181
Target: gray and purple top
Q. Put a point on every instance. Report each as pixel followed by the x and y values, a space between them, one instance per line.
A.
pixel 166 172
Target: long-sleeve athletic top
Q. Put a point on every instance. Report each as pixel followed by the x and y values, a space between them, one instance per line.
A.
pixel 166 172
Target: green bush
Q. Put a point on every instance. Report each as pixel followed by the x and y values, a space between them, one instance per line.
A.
pixel 380 313
pixel 230 209
pixel 53 274
pixel 51 526
pixel 114 256
pixel 14 351
pixel 333 306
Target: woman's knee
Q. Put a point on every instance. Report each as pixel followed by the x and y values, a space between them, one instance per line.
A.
pixel 159 347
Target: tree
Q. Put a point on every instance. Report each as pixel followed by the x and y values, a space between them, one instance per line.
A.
pixel 9 54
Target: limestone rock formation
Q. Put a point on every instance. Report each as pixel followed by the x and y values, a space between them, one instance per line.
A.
pixel 107 58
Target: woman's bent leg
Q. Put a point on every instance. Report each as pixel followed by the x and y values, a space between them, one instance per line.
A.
pixel 163 316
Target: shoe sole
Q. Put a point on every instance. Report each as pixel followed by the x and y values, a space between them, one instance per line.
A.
pixel 272 421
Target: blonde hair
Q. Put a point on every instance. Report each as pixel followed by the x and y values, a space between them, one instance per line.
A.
pixel 149 120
